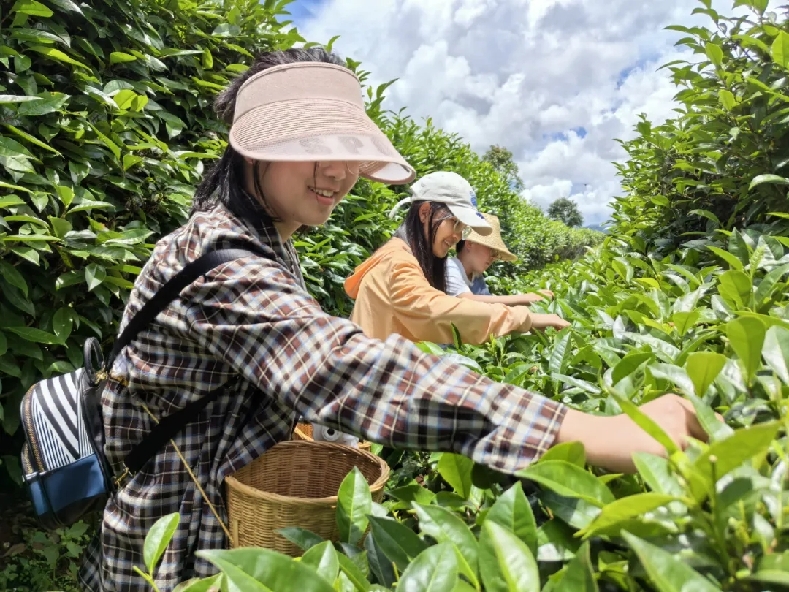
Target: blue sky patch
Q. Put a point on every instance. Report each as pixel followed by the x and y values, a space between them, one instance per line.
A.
pixel 303 10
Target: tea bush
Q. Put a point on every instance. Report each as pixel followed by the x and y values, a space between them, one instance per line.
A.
pixel 722 161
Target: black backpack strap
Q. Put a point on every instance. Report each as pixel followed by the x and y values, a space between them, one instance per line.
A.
pixel 170 292
pixel 168 427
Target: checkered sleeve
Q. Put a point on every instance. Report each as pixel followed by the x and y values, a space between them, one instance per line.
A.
pixel 260 321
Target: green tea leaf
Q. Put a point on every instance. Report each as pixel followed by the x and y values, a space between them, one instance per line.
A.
pixel 512 511
pixel 746 337
pixel 735 287
pixel 727 99
pixel 434 570
pixel 446 526
pixel 776 351
pixel 32 139
pixel 731 259
pixel 116 151
pixel 560 354
pixel 779 50
pixel 323 559
pixel 665 571
pixel 767 287
pixel 684 321
pixel 66 194
pixel 62 323
pixel 703 368
pixel 354 503
pixel 568 480
pixel 10 274
pixel 674 374
pixel 762 179
pixel 60 227
pixel 94 275
pixel 571 452
pixel 211 584
pixel 34 335
pixel 656 472
pixel 49 102
pixel 351 571
pixel 714 53
pixel 10 148
pixel 413 493
pixel 301 537
pixel 58 55
pixel 624 510
pixel 629 364
pixel 506 563
pixel 11 99
pixel 157 540
pixel 32 8
pixel 400 544
pixel 257 569
pixel 380 565
pixel 67 5
pixel 456 470
pixel 724 456
pixel 118 57
pixel 579 575
pixel 716 428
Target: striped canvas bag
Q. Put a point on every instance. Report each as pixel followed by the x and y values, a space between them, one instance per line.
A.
pixel 64 468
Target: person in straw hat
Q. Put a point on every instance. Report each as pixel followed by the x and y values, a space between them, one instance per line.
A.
pixel 248 339
pixel 475 254
pixel 401 288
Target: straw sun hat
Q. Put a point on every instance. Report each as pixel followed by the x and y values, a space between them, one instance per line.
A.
pixel 313 111
pixel 493 240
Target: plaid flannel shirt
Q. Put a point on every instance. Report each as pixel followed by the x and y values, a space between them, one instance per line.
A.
pixel 251 327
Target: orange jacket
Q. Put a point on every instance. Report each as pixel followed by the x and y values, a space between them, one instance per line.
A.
pixel 393 296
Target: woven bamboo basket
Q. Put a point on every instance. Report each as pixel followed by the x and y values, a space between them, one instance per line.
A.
pixel 303 431
pixel 295 483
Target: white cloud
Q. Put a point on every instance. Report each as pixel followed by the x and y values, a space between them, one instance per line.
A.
pixel 525 74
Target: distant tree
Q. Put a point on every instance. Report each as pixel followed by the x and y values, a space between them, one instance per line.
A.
pixel 502 161
pixel 565 210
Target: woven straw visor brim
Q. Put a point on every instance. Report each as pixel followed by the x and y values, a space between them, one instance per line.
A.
pixel 312 111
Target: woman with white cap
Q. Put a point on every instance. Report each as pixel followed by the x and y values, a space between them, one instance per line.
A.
pixel 247 338
pixel 401 288
pixel 475 254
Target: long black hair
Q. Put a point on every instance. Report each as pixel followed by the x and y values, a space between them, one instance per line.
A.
pixel 412 231
pixel 226 177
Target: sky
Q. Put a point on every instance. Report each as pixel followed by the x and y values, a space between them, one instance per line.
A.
pixel 554 81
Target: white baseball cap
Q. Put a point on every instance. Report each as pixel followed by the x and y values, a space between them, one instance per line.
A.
pixel 454 191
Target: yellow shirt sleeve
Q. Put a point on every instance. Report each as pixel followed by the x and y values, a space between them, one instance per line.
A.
pixel 428 314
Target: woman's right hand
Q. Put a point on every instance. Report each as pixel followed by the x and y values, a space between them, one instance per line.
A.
pixel 543 321
pixel 610 441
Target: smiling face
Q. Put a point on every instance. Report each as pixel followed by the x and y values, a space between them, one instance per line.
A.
pixel 448 229
pixel 301 193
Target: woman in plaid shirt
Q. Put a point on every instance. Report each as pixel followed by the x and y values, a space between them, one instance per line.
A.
pixel 299 141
